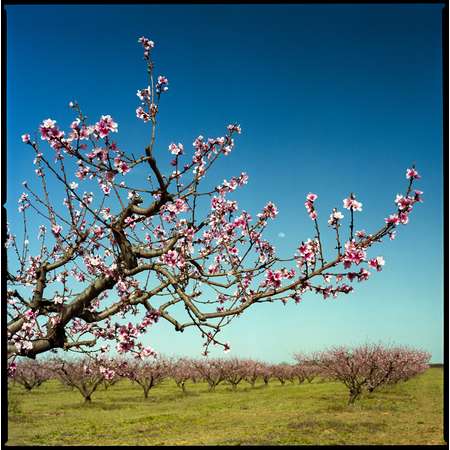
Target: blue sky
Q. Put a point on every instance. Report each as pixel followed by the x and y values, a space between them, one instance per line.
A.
pixel 331 99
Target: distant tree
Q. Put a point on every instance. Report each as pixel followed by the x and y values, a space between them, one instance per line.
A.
pixel 182 370
pixel 369 366
pixel 212 371
pixel 266 373
pixel 148 374
pixel 31 374
pixel 283 372
pixel 304 369
pixel 234 372
pixel 252 371
pixel 84 374
pixel 397 364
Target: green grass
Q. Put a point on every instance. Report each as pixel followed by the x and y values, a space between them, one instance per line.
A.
pixel 316 413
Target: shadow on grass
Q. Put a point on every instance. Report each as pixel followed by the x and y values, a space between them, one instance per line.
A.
pixel 95 405
pixel 337 426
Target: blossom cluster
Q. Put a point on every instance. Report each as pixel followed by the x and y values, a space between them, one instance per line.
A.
pixel 309 205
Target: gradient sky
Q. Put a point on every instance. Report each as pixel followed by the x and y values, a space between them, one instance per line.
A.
pixel 331 99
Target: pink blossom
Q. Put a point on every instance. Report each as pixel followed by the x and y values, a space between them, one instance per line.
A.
pixel 141 114
pixel 417 196
pixel 234 128
pixel 176 149
pixel 161 85
pixel 363 275
pixel 377 263
pixel 105 125
pixel 173 259
pixel 403 218
pixel 412 173
pixel 353 254
pixel 393 218
pixel 131 222
pixel 146 352
pixel 49 130
pixel 106 188
pixel 309 205
pixel 345 289
pixel 144 94
pixel 146 43
pixel 335 217
pixel 308 250
pixel 269 211
pixel 26 138
pixel 273 278
pixel 12 367
pixel 121 166
pixel 98 232
pixel 23 202
pixel 352 204
pixel 56 229
pixel 404 203
pixel 82 172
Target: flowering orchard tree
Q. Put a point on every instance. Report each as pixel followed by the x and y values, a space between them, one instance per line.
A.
pixel 283 372
pixel 212 371
pixel 30 374
pixel 397 364
pixel 235 371
pixel 370 366
pixel 182 370
pixel 266 373
pixel 305 369
pixel 148 374
pixel 84 374
pixel 130 245
pixel 252 371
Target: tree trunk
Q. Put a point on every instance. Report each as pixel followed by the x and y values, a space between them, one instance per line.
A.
pixel 353 396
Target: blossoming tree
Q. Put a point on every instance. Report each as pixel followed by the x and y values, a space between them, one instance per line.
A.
pixel 369 366
pixel 140 246
pixel 148 374
pixel 182 370
pixel 31 374
pixel 84 374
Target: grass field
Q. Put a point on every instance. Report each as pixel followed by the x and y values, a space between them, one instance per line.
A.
pixel 316 413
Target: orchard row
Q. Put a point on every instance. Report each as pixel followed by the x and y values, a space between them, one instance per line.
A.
pixel 360 369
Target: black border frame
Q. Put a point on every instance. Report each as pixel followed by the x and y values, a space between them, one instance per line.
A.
pixel 445 143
